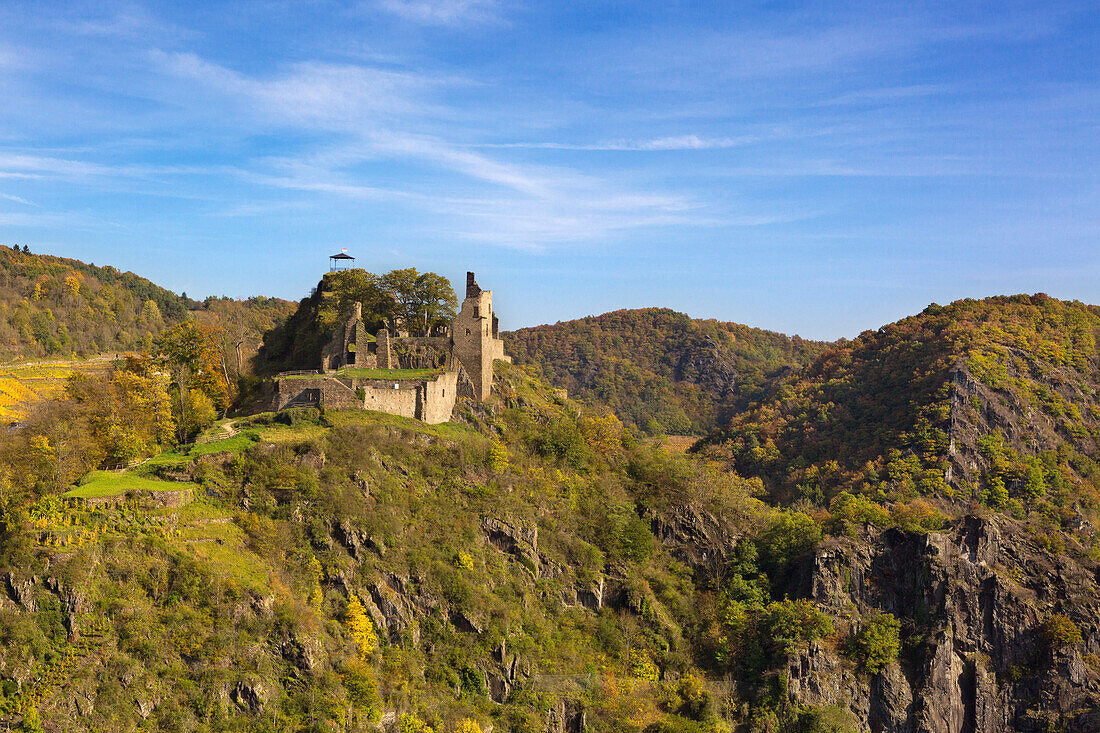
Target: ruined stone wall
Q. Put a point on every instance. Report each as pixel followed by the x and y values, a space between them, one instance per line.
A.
pixel 421 353
pixel 439 398
pixel 383 357
pixel 333 393
pixel 402 401
pixel 475 346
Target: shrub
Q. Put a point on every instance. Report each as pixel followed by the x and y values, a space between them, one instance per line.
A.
pixel 360 627
pixel 877 643
pixel 463 561
pixel 1060 632
pixel 467 725
pixel 497 459
pixel 642 667
pixel 789 623
pixel 411 723
pixel 32 723
pixel 826 720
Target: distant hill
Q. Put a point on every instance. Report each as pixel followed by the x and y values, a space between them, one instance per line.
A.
pixel 59 307
pixel 982 401
pixel 659 369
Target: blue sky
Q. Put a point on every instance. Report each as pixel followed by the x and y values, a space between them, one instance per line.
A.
pixel 812 168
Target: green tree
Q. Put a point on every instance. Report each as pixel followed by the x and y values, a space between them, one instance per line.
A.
pixel 790 623
pixel 424 300
pixel 792 535
pixel 193 355
pixel 877 642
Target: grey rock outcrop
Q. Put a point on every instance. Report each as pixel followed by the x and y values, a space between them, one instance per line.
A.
pixel 971 601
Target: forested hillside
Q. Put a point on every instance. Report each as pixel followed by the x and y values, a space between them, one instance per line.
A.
pixel 328 571
pixel 58 307
pixel 993 402
pixel 658 369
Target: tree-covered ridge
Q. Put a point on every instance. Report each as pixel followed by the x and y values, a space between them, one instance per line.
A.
pixel 59 307
pixel 659 369
pixel 991 401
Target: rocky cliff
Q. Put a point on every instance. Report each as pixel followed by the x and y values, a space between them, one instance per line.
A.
pixel 975 603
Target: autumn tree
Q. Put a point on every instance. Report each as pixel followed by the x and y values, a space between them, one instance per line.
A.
pixel 360 627
pixel 193 354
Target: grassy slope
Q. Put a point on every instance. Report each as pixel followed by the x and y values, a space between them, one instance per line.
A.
pixel 358 373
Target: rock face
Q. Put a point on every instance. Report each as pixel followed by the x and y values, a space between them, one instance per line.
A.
pixel 972 601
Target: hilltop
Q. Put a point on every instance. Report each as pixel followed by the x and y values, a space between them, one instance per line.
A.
pixel 992 401
pixel 658 369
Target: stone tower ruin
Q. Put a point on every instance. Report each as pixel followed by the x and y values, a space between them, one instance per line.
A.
pixel 476 337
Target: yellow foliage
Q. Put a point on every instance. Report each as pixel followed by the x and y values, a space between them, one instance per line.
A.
pixel 467 725
pixel 464 561
pixel 498 456
pixel 603 434
pixel 360 627
pixel 642 667
pixel 316 576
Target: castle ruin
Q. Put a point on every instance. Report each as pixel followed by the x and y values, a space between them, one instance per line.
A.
pixel 371 372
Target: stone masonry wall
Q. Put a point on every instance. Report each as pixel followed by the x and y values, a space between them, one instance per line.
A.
pixel 439 398
pixel 474 342
pixel 401 401
pixel 334 393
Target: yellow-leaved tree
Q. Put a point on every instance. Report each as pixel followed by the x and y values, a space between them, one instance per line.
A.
pixel 360 627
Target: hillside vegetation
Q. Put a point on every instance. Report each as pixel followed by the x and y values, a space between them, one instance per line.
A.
pixel 55 306
pixel 331 570
pixel 657 369
pixel 901 528
pixel 988 403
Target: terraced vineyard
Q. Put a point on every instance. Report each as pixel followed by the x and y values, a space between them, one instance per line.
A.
pixel 21 385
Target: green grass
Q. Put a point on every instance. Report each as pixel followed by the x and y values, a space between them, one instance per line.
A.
pixel 223 549
pixel 388 373
pixel 372 417
pixel 235 444
pixel 106 483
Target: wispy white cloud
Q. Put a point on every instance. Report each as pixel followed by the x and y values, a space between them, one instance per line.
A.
pixel 371 113
pixel 17 199
pixel 445 12
pixel 676 142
